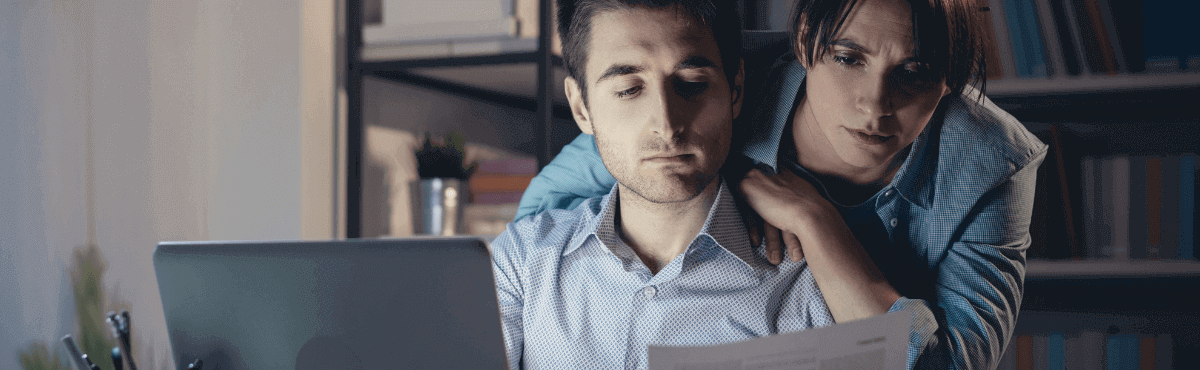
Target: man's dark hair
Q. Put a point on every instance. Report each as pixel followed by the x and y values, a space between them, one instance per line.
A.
pixel 575 29
pixel 947 34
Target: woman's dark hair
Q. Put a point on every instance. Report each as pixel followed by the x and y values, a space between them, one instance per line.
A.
pixel 575 29
pixel 948 35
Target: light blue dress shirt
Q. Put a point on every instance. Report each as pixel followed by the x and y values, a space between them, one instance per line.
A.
pixel 574 296
pixel 950 231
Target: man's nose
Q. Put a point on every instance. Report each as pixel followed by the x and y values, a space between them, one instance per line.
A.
pixel 667 118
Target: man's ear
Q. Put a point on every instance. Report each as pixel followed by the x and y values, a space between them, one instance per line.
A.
pixel 739 88
pixel 578 108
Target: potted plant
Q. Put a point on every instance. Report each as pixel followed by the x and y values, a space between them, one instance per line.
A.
pixel 441 192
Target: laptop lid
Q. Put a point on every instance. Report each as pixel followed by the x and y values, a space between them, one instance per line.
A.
pixel 419 303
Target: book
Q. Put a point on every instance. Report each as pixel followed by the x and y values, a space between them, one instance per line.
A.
pixel 1187 207
pixel 991 47
pixel 1154 207
pixel 1026 38
pixel 1128 25
pixel 1106 16
pixel 1003 41
pixel 1138 235
pixel 1146 350
pixel 1120 208
pixel 1170 208
pixel 1091 347
pixel 1040 352
pixel 1093 224
pixel 1163 352
pixel 512 166
pixel 498 182
pixel 1093 38
pixel 1122 352
pixel 1056 351
pixel 1055 63
pixel 1067 177
pixel 1024 352
pixel 1076 35
pixel 1008 360
pixel 1100 32
pixel 1066 38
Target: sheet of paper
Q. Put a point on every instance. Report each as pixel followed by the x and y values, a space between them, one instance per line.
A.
pixel 877 343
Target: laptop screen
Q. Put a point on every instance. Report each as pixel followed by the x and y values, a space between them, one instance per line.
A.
pixel 419 303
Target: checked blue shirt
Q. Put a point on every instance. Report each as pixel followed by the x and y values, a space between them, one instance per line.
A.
pixel 574 296
pixel 949 232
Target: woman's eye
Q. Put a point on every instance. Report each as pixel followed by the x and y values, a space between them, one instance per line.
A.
pixel 845 60
pixel 628 92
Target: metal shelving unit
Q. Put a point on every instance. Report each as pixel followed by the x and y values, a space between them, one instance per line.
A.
pixel 424 73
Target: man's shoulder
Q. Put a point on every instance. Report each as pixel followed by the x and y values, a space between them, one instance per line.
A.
pixel 550 231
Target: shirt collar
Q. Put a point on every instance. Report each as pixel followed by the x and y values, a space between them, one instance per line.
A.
pixel 914 178
pixel 723 226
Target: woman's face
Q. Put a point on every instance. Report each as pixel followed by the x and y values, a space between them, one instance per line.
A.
pixel 868 97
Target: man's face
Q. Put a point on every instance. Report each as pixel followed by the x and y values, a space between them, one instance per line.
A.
pixel 658 102
pixel 869 97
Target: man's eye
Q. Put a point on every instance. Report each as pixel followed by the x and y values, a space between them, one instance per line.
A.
pixel 628 92
pixel 689 89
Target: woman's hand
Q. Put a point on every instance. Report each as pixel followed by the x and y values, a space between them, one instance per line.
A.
pixel 784 203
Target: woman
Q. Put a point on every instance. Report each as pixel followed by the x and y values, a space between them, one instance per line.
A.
pixel 886 168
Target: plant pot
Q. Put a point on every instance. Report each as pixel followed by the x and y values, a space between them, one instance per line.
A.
pixel 437 206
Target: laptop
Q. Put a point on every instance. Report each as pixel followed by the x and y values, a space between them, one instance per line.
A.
pixel 420 303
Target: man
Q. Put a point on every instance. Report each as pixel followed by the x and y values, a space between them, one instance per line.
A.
pixel 663 258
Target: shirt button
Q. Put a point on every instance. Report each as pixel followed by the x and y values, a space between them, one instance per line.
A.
pixel 895 222
pixel 889 192
pixel 649 291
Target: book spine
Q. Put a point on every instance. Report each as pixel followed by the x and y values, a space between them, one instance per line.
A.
pixel 1055 64
pixel 1094 345
pixel 1120 208
pixel 1073 246
pixel 1008 360
pixel 1153 207
pixel 1024 352
pixel 1146 355
pixel 1056 351
pixel 499 183
pixel 1040 352
pixel 1119 351
pixel 1108 215
pixel 1101 33
pixel 1187 207
pixel 1170 208
pixel 1110 26
pixel 1027 39
pixel 1137 208
pixel 1066 38
pixel 1003 41
pixel 1076 35
pixel 1163 352
pixel 1089 189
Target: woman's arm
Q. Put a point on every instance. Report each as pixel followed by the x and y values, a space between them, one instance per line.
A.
pixel 979 283
pixel 577 173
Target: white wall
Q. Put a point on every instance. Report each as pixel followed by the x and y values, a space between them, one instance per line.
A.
pixel 195 106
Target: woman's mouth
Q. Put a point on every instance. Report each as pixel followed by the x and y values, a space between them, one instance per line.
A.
pixel 870 139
